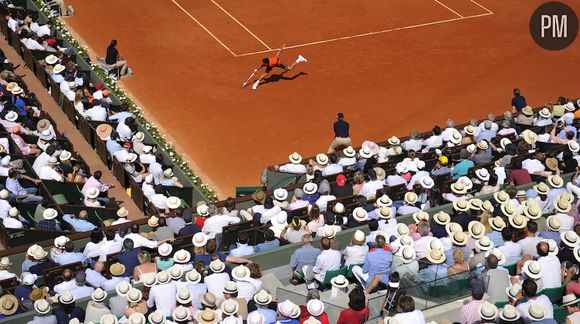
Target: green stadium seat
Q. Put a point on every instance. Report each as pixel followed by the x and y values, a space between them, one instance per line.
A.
pixel 60 199
pixel 333 273
pixel 501 304
pixel 560 314
pixel 555 294
pixel 349 270
pixel 511 268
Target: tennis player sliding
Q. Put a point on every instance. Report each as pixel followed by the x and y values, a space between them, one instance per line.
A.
pixel 275 62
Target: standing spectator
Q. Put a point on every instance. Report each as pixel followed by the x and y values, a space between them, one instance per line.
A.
pixel 113 58
pixel 518 101
pixel 358 312
pixel 43 309
pixel 469 311
pixel 68 309
pixel 341 135
pixel 163 294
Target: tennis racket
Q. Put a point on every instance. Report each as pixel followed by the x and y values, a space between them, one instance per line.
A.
pixel 249 78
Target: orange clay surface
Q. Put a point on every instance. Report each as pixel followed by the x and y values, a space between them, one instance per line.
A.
pixel 401 64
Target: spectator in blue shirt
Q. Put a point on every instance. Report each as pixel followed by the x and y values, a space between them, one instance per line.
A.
pixel 462 167
pixel 271 242
pixel 242 248
pixel 129 257
pixel 80 224
pixel 341 135
pixel 377 265
pixel 68 310
pixel 112 145
pixel 518 101
pixel 69 255
pixel 20 193
pixel 303 256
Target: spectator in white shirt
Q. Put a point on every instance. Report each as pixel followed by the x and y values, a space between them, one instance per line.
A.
pixel 333 167
pixel 124 129
pixel 297 202
pixel 242 248
pixel 422 244
pixel 511 251
pixel 397 179
pixel 435 141
pixel 325 196
pixel 415 143
pixel 328 259
pixel 563 207
pixel 95 276
pixel 49 172
pixel 215 223
pixel 369 189
pixel 294 166
pixel 12 220
pixel 447 132
pixel 139 240
pixel 67 284
pixel 162 295
pixel 550 264
pixel 42 159
pixel 530 242
pixel 44 30
pixel 5 265
pixel 349 157
pixel 159 200
pixel 96 113
pixel 529 290
pixel 4 204
pixel 355 253
pixel 217 279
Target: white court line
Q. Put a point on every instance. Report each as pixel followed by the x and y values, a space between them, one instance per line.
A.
pixel 484 8
pixel 242 25
pixel 369 34
pixel 453 11
pixel 207 30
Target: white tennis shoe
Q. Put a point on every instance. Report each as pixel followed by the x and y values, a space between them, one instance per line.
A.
pixel 255 85
pixel 301 59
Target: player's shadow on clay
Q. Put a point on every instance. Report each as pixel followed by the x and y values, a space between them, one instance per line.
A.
pixel 281 76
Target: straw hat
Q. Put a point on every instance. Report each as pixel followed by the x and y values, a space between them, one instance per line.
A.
pixel 435 256
pixel 123 288
pixel 262 298
pixel 453 227
pixel 4 194
pixel 207 316
pixel 217 266
pixel 9 304
pixel 51 59
pixel 380 172
pixel 508 209
pixel 182 256
pixel 193 277
pixel 315 307
pixel 208 299
pixel 134 295
pixel 458 188
pixel 321 159
pixel 476 204
pixel 552 246
pixel 509 313
pixel 339 281
pixel 163 277
pixel 401 229
pixel 436 244
pixel 497 223
pixel 156 317
pixel 484 244
pixel 498 253
pixel 280 194
pixel 42 307
pixel 570 238
pixel 358 237
pixel 542 188
pixel 459 238
pixel 65 298
pixel 328 231
pixel 338 208
pixel 532 210
pixel 407 254
pixel 360 214
pixel 420 216
pixel 536 312
pixel 562 206
pixel 545 113
pixel 527 110
pixel 122 212
pixel 230 307
pixel 117 269
pixel 394 140
pixel 231 287
pixel 573 146
pixel 99 295
pixel 385 212
pixel 504 142
pixel 533 269
pixel 442 218
pixel 501 196
pixel 49 213
pixel 295 158
pixel 58 68
pixel 514 291
pixel 241 273
pixel 165 249
pixel 136 318
pixel 476 229
pixel 384 200
pixel 183 296
pixel 280 221
pixel 469 130
pixel 310 188
pixel 411 198
pixel 569 299
pixel 11 116
pixel 256 318
pixel 518 221
pixel 173 202
pixel 487 311
pixel 60 241
pixel 552 163
pixel 471 148
pixel 259 196
pixel 427 182
pixel 93 192
pixel 39 254
pixel 553 223
pixel 199 239
pixel 405 240
pixel 461 205
pixel 286 308
pixel 104 131
pixel 565 195
pixel 455 138
pixel 175 272
pixel 555 181
pixel 349 152
pixel 365 152
pixel 482 145
pixel 153 221
pixel 577 253
pixel 149 279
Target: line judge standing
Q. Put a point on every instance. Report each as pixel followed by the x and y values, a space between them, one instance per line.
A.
pixel 341 135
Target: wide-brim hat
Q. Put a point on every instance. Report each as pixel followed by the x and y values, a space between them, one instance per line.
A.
pixel 528 111
pixel 11 116
pixel 259 196
pixel 99 295
pixel 573 146
pixel 208 299
pixel 482 145
pixel 509 313
pixel 51 59
pixel 207 316
pixel 163 277
pixel 407 254
pixel 427 182
pixel 193 277
pixel 487 311
pixel 442 218
pixel 461 205
pixel 497 223
pixel 42 125
pixel 286 308
pixel 123 288
pixel 498 253
pixel 175 272
pixel 134 295
pixel 469 130
pixel 182 256
pixel 384 212
pixel 136 318
pixel 49 213
pixel 60 241
pixel 400 230
pixel 360 214
pixel 467 183
pixel 280 221
pixel 570 238
pixel 484 244
pixel 535 313
pixel 358 237
pixel 410 198
pixel 365 152
pixel 241 273
pixel 139 136
pixel 553 223
pixel 380 172
pixel 349 152
pixel 93 192
pixel 533 269
pixel 384 200
pixel 518 221
pixel 459 238
pixel 153 221
pixel 545 113
pixel 553 248
pixel 315 307
pixel 262 298
pixel 420 216
pixel 8 304
pixel 165 249
pixel 183 296
pixel 476 229
pixel 230 307
pixel 104 131
pixel 322 159
pixel 58 68
pixel 435 256
pixel 530 137
pixel 217 266
pixel 393 140
pixel 501 196
pixel 310 188
pixel 122 212
pixel 455 138
pixel 156 317
pixel 532 210
pixel 504 142
pixel 458 188
pixel 117 269
pixel 476 204
pixel 513 291
pixel 555 181
pixel 328 231
pixel 17 90
pixel 339 281
pixel 173 202
pixel 42 307
pixel 338 208
pixel 508 209
pixel 482 174
pixel 65 298
pixel 562 206
pixel 199 239
pixel 280 194
pixel 569 299
pixel 295 158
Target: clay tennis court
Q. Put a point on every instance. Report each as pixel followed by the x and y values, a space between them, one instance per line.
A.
pixel 389 66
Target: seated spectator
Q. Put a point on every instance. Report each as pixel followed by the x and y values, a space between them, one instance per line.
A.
pixel 214 224
pixel 20 193
pixel 13 220
pixel 81 290
pixel 145 267
pixel 242 248
pixel 357 251
pixel 43 309
pixel 469 311
pixel 302 258
pixel 189 227
pixel 129 257
pixel 294 166
pixel 377 263
pixel 114 58
pixel 358 312
pixel 80 223
pixel 117 271
pixel 529 288
pixel 270 242
pixel 292 232
pixel 68 310
pixel 69 255
pixel 460 169
pixel 49 223
pixel 95 276
pixel 96 308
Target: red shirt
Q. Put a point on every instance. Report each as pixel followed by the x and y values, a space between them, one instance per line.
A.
pixel 350 316
pixel 520 177
pixel 304 315
pixel 200 221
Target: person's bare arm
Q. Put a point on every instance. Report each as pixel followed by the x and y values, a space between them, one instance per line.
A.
pixel 237 260
pixel 280 50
